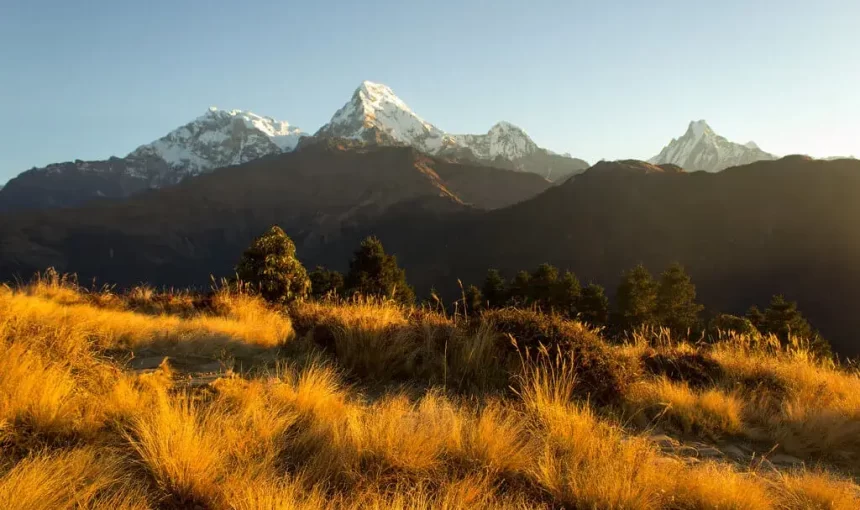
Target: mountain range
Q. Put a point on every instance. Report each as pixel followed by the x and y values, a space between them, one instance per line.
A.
pixel 373 115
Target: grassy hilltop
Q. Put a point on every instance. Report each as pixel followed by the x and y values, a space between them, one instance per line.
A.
pixel 171 400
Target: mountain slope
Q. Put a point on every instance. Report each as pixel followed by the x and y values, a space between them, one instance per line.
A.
pixel 700 148
pixel 376 115
pixel 319 194
pixel 213 140
pixel 744 234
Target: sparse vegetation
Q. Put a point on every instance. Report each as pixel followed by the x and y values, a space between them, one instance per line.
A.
pixel 113 400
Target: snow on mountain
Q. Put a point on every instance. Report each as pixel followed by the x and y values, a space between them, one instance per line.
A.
pixel 702 149
pixel 503 140
pixel 375 114
pixel 221 138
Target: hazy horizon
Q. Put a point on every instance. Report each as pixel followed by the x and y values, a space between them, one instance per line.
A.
pixel 598 82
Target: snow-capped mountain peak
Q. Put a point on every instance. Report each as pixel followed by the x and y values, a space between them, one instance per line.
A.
pixel 702 149
pixel 502 140
pixel 376 114
pixel 221 138
pixel 699 129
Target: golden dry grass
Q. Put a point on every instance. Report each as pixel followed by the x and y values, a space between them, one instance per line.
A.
pixel 79 430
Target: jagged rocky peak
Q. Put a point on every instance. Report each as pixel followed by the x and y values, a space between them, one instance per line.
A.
pixel 376 115
pixel 221 138
pixel 700 148
pixel 502 140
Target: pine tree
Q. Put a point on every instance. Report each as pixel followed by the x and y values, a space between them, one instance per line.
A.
pixel 593 305
pixel 271 268
pixel 325 282
pixel 636 299
pixel 676 306
pixel 566 294
pixel 542 286
pixel 755 317
pixel 782 318
pixel 520 289
pixel 372 272
pixel 494 289
pixel 473 300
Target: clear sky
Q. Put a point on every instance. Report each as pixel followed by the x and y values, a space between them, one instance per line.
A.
pixel 606 79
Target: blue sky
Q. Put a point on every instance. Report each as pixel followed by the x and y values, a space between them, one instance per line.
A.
pixel 597 79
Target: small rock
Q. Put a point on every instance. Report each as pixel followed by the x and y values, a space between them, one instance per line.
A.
pixel 785 460
pixel 709 451
pixel 734 452
pixel 214 366
pixel 665 442
pixel 146 363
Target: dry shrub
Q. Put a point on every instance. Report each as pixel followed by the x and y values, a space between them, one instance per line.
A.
pixel 710 412
pixel 711 485
pixel 693 367
pixel 81 478
pixel 817 490
pixel 601 375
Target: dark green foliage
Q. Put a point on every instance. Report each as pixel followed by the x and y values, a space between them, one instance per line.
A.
pixel 269 266
pixel 593 305
pixel 567 294
pixel 473 299
pixel 494 289
pixel 601 376
pixel 325 282
pixel 782 318
pixel 755 317
pixel 636 299
pixel 520 289
pixel 697 369
pixel 542 286
pixel 731 323
pixel 372 272
pixel 676 306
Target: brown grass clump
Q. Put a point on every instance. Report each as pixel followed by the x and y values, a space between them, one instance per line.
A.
pixel 602 376
pixel 709 412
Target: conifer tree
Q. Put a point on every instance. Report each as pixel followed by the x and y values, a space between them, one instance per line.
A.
pixel 567 293
pixel 325 282
pixel 473 300
pixel 372 272
pixel 782 318
pixel 636 299
pixel 755 317
pixel 269 266
pixel 520 289
pixel 593 305
pixel 542 286
pixel 676 305
pixel 494 289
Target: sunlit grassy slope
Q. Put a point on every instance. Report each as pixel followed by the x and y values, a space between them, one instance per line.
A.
pixel 368 405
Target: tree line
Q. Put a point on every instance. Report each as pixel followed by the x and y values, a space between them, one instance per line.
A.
pixel 270 267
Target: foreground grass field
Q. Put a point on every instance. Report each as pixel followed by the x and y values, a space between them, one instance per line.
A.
pixel 168 400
